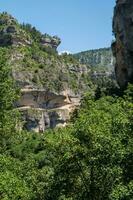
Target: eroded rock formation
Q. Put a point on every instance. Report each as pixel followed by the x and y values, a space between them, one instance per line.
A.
pixel 123 46
pixel 48 41
pixel 42 110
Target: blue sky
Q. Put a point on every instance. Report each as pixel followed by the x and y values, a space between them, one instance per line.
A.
pixel 81 24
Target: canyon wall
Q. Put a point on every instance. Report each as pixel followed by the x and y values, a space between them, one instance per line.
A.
pixel 123 46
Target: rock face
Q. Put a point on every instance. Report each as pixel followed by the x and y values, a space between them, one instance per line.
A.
pixel 123 46
pixel 42 110
pixel 51 42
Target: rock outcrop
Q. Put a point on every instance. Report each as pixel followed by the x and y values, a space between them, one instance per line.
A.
pixel 123 46
pixel 11 33
pixel 42 109
pixel 51 42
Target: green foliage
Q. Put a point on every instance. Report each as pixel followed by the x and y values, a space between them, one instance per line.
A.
pixel 90 159
pixel 8 96
pixel 68 58
pixel 11 185
pixel 49 50
pixel 35 34
pixel 105 129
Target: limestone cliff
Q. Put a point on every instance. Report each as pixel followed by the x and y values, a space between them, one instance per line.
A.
pixel 123 46
pixel 42 109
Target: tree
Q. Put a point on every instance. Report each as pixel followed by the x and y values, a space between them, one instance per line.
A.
pixel 8 95
pixel 104 129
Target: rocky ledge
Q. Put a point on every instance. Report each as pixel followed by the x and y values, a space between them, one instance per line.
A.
pixel 51 42
pixel 42 110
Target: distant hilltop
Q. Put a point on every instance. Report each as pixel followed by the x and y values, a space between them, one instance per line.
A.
pixel 102 57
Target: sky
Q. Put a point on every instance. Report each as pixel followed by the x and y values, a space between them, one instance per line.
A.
pixel 81 24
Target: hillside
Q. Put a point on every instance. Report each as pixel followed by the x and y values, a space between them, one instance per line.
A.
pixel 34 58
pixel 51 85
pixel 99 58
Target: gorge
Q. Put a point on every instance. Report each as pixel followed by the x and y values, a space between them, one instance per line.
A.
pixel 52 85
pixel 66 121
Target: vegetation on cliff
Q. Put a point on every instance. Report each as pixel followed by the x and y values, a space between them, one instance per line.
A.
pixel 35 61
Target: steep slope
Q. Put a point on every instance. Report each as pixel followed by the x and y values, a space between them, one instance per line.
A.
pixel 123 46
pixel 47 81
pixel 35 61
pixel 102 58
